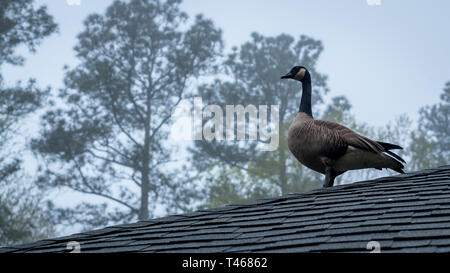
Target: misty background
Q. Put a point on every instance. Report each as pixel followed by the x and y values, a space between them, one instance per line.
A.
pixel 76 151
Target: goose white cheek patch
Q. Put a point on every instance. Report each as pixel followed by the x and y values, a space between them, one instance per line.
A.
pixel 300 74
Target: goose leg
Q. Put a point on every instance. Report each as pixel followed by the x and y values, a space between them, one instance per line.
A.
pixel 330 175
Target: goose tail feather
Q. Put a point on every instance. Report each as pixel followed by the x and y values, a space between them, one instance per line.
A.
pixel 399 170
pixel 389 146
pixel 395 156
pixel 397 161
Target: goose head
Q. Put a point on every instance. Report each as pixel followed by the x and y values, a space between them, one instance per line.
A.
pixel 298 73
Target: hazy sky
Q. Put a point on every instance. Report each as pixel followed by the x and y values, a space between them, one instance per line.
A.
pixel 388 59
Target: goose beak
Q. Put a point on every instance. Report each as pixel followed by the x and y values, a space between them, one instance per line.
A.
pixel 287 76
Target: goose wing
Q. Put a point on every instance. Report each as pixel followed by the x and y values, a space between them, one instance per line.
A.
pixel 343 135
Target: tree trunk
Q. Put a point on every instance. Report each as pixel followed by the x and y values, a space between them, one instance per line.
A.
pixel 143 211
pixel 145 181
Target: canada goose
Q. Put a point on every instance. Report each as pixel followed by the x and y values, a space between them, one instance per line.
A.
pixel 330 148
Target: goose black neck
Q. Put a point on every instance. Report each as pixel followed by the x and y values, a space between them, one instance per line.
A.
pixel 305 103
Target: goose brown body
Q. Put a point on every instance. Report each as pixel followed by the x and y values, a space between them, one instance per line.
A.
pixel 318 144
pixel 330 148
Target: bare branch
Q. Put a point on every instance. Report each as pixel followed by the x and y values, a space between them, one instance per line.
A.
pixel 94 192
pixel 114 112
pixel 109 159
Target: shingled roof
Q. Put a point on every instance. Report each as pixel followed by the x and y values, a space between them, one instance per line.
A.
pixel 403 213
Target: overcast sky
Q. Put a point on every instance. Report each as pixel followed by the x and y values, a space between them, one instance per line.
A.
pixel 388 59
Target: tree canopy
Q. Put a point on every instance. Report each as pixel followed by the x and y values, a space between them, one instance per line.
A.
pixel 137 62
pixel 430 143
pixel 23 216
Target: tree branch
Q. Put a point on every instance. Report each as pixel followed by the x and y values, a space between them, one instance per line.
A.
pixel 94 192
pixel 109 160
pixel 114 112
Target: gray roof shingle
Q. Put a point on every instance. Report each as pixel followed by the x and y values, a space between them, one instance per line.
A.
pixel 404 213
